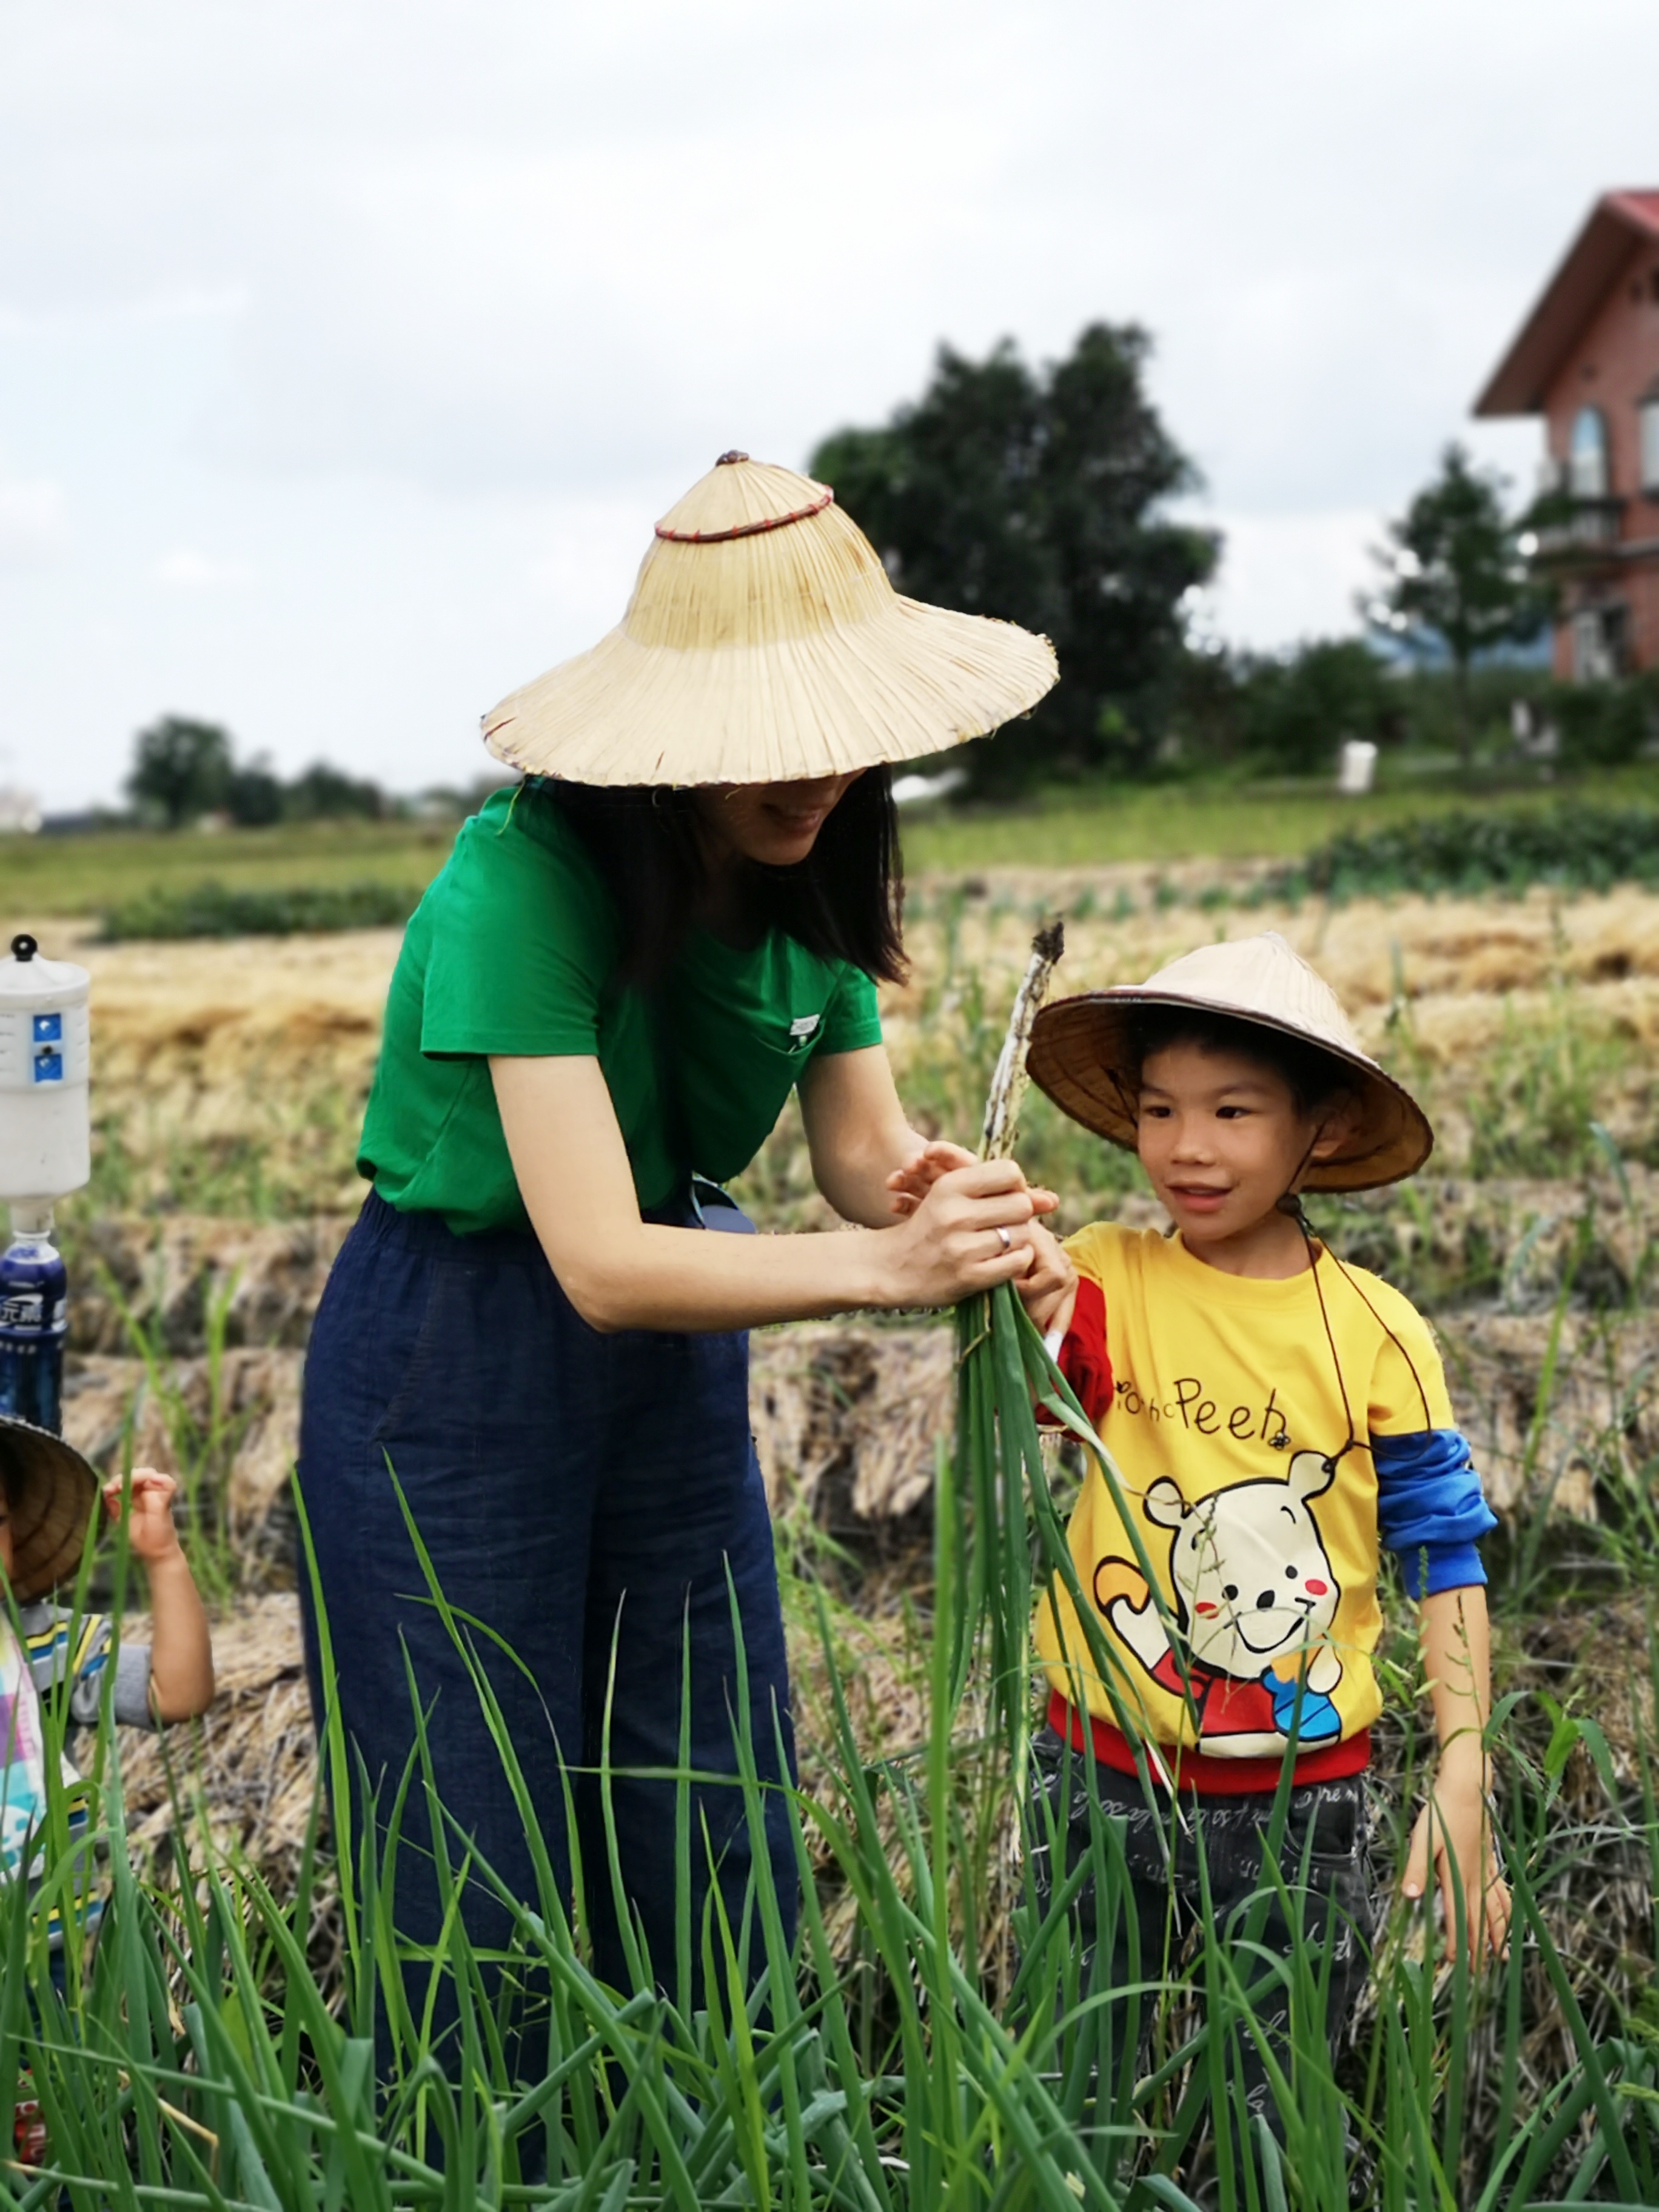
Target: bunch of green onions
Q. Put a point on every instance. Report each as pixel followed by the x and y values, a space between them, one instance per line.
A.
pixel 999 1508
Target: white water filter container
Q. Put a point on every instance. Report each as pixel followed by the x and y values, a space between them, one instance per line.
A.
pixel 45 1133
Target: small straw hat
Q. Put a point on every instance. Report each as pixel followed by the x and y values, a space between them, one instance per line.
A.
pixel 1083 1052
pixel 51 1492
pixel 764 643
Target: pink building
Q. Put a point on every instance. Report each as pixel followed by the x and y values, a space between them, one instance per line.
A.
pixel 1587 360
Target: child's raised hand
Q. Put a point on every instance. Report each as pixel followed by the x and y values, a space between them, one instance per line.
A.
pixel 148 1513
pixel 1048 1289
pixel 911 1183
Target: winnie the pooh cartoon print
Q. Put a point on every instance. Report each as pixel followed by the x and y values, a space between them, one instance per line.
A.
pixel 1253 1599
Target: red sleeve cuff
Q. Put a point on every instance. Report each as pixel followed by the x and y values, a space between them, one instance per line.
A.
pixel 1083 1359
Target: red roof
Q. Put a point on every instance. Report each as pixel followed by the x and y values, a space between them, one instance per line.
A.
pixel 1618 222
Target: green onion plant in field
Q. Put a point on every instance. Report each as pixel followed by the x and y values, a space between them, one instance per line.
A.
pixel 201 2066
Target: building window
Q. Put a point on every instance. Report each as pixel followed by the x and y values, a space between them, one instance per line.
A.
pixel 1587 456
pixel 1598 643
pixel 1648 416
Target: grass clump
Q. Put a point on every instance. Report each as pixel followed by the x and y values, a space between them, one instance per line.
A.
pixel 217 909
pixel 1576 846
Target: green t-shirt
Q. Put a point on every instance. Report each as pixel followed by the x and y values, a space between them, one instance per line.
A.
pixel 513 950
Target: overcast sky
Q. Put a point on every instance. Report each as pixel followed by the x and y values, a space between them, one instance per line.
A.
pixel 349 349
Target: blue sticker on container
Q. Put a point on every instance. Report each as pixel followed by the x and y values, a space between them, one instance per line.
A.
pixel 48 1029
pixel 48 1066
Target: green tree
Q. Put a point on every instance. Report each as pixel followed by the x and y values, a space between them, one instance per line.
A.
pixel 1038 496
pixel 1295 712
pixel 254 795
pixel 180 768
pixel 325 793
pixel 1453 577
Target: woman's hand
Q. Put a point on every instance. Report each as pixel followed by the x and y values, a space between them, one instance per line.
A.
pixel 972 1228
pixel 856 1129
pixel 911 1182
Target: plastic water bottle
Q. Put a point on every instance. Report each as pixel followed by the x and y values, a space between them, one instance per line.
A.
pixel 33 1322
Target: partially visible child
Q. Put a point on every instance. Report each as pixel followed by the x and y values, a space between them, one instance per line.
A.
pixel 47 1495
pixel 1280 1420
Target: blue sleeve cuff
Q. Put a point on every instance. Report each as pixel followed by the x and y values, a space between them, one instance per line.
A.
pixel 1430 1511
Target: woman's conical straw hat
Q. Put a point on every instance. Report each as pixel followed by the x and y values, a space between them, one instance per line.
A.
pixel 51 1491
pixel 1083 1053
pixel 764 643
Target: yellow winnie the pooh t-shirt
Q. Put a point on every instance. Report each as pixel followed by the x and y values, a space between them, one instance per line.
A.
pixel 1274 1436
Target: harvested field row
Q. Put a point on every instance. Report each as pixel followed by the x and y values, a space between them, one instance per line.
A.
pixel 205 1030
pixel 848 1417
pixel 182 1278
pixel 1373 951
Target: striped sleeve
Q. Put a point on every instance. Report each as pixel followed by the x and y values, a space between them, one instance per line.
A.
pixel 80 1651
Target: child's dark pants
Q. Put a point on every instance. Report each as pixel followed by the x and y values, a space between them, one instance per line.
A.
pixel 1322 1858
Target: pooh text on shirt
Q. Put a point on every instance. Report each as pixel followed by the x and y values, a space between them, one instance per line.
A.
pixel 1196 1410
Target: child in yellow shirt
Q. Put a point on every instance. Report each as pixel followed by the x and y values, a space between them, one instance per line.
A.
pixel 1278 1419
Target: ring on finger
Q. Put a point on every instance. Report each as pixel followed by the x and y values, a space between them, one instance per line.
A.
pixel 1007 1241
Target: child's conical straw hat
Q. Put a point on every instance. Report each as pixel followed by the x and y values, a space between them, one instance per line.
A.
pixel 51 1491
pixel 764 643
pixel 1083 1053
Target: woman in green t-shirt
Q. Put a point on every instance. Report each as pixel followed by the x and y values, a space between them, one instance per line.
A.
pixel 600 1008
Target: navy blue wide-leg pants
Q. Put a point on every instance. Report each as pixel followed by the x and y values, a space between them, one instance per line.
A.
pixel 590 1501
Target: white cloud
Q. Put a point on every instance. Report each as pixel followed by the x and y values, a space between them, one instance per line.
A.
pixel 1285 578
pixel 185 569
pixel 33 522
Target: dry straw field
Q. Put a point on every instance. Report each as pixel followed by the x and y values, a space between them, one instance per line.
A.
pixel 229 1079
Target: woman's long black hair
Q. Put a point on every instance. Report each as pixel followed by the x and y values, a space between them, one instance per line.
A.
pixel 842 902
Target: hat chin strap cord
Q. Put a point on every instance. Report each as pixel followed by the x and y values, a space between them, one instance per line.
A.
pixel 1291 1203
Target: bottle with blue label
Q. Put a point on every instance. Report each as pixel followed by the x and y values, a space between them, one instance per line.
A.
pixel 33 1322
